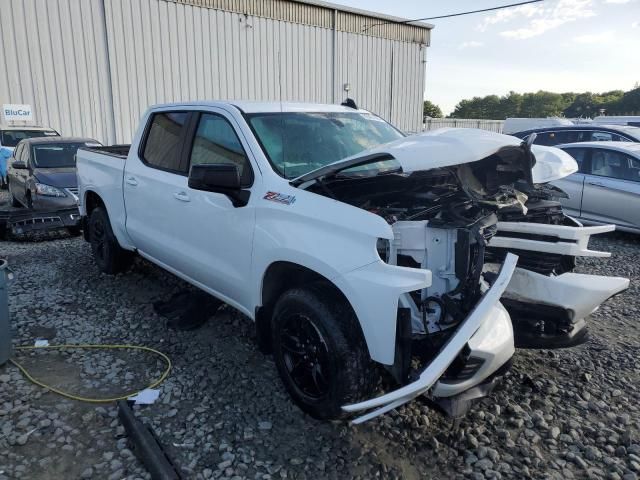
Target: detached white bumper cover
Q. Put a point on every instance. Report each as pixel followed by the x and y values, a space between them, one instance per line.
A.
pixel 579 293
pixel 447 355
pixel 539 237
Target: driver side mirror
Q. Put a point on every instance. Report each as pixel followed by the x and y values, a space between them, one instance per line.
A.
pixel 19 165
pixel 219 178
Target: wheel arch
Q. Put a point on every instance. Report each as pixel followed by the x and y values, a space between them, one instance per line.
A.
pixel 91 201
pixel 279 277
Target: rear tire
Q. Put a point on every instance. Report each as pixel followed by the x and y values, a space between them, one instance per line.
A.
pixel 107 253
pixel 320 351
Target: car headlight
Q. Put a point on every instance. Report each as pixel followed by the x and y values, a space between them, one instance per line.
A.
pixel 49 191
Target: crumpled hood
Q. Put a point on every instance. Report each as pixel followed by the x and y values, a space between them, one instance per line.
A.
pixel 57 177
pixel 455 146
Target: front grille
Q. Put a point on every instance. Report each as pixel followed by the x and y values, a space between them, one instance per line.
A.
pixel 549 212
pixel 461 370
pixel 539 262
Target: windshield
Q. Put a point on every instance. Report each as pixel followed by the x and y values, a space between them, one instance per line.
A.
pixel 11 138
pixel 59 155
pixel 297 143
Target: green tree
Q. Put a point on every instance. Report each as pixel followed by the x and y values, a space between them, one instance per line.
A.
pixel 629 103
pixel 510 105
pixel 432 110
pixel 549 104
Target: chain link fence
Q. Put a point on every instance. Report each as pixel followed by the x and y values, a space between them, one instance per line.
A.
pixel 491 125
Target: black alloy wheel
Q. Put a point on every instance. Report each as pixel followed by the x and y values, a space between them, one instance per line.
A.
pixel 99 239
pixel 320 352
pixel 306 356
pixel 107 253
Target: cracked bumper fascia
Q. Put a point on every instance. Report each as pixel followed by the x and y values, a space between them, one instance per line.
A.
pixel 569 240
pixel 447 354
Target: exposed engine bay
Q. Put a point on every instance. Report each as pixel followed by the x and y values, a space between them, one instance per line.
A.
pixel 442 220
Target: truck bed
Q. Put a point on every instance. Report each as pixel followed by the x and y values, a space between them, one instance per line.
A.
pixel 100 170
pixel 118 151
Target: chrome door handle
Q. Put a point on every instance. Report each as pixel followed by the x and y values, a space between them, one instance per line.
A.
pixel 131 181
pixel 182 196
pixel 596 184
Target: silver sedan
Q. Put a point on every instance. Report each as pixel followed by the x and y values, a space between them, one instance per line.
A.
pixel 606 188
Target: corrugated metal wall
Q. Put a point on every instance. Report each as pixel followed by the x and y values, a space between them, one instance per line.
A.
pixel 53 57
pixel 86 74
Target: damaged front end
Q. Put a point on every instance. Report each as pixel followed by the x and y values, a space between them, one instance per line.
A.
pixel 447 203
pixel 453 337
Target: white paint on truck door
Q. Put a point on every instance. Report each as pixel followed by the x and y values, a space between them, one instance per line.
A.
pixel 152 180
pixel 218 237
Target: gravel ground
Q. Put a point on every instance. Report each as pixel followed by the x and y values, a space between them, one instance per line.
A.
pixel 224 413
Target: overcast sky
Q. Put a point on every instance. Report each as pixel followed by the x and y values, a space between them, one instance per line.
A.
pixel 556 45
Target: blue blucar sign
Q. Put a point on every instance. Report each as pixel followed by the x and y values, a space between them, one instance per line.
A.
pixel 14 112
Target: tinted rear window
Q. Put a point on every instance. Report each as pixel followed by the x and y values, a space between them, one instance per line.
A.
pixel 164 140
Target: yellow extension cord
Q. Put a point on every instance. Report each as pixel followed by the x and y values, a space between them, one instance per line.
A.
pixel 103 347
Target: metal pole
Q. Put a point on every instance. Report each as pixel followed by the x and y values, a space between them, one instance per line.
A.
pixel 5 328
pixel 334 46
pixel 110 100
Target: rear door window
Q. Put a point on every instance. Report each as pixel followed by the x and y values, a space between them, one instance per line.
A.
pixel 164 141
pixel 613 164
pixel 546 138
pixel 603 136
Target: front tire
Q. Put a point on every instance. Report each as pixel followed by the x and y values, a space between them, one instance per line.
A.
pixel 320 351
pixel 107 253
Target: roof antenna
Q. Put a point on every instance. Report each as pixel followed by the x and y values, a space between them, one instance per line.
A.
pixel 349 102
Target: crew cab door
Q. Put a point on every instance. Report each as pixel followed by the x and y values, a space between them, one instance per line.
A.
pixel 612 188
pixel 218 235
pixel 152 176
pixel 199 235
pixel 573 184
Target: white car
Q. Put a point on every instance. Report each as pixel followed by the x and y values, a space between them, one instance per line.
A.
pixel 352 246
pixel 11 135
pixel 606 188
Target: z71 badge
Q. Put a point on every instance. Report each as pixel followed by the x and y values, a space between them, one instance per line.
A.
pixel 280 198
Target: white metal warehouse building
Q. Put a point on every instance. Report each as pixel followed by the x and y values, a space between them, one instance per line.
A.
pixel 92 67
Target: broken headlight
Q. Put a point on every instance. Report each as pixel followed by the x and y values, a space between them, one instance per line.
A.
pixel 49 191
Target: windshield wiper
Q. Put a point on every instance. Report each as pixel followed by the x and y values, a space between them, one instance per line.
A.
pixel 334 168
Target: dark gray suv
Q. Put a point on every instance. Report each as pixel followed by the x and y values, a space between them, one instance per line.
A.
pixel 42 172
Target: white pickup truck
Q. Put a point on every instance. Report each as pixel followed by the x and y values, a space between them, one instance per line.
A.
pixel 352 247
